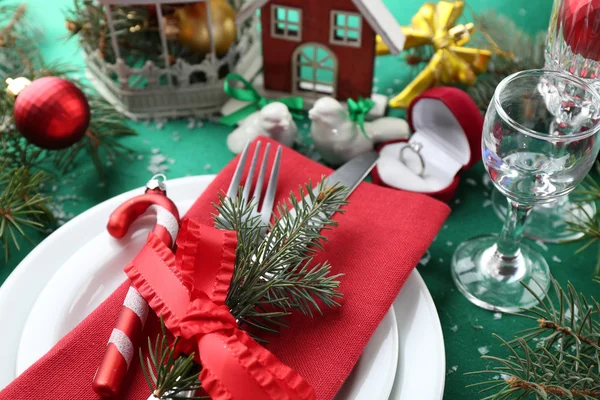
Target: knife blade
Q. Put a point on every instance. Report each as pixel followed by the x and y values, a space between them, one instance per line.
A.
pixel 353 172
pixel 350 175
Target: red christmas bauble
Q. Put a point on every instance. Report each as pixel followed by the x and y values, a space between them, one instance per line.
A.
pixel 52 113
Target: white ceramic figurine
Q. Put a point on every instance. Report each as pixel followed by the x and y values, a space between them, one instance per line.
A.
pixel 274 121
pixel 339 139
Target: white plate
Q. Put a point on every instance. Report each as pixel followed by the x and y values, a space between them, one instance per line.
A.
pixel 94 271
pixel 419 326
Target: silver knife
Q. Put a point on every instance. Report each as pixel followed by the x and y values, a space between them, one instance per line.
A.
pixel 353 172
pixel 350 174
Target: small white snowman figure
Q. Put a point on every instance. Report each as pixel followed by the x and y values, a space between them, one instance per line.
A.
pixel 338 139
pixel 274 121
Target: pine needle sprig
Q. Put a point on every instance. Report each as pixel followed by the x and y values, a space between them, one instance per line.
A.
pixel 557 359
pixel 22 206
pixel 168 374
pixel 274 276
pixel 19 54
pixel 101 139
pixel 582 220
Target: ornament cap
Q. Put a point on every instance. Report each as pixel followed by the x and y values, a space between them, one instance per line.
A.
pixel 16 86
pixel 157 182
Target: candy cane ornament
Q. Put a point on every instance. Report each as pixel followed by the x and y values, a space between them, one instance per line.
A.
pixel 123 340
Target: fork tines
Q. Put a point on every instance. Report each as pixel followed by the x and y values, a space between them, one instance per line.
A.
pixel 267 205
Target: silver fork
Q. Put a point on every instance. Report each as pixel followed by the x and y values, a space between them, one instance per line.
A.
pixel 266 208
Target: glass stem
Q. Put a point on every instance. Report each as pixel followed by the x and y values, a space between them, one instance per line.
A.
pixel 510 237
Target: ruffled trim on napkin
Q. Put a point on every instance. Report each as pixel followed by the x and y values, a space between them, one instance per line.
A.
pixel 267 369
pixel 274 379
pixel 193 238
pixel 188 242
pixel 228 256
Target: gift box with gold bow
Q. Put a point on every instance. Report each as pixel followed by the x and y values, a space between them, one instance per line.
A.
pixel 452 63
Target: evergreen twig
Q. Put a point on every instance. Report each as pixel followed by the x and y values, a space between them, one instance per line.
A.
pixel 277 275
pixel 22 207
pixel 557 359
pixel 5 34
pixel 272 276
pixel 582 221
pixel 169 375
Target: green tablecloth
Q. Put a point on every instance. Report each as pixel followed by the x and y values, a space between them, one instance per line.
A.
pixel 199 148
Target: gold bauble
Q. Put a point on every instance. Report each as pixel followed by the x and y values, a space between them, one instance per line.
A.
pixel 193 26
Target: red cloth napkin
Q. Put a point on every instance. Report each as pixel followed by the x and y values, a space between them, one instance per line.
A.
pixel 378 242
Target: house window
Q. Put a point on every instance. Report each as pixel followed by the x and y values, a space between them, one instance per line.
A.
pixel 315 70
pixel 346 28
pixel 286 22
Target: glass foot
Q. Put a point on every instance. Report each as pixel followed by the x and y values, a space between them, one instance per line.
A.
pixel 493 282
pixel 548 222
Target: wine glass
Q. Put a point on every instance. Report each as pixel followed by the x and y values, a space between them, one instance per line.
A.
pixel 572 47
pixel 539 141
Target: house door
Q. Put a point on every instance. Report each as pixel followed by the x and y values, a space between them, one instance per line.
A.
pixel 314 71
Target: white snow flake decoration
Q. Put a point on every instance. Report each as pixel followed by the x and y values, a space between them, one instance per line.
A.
pixel 158 163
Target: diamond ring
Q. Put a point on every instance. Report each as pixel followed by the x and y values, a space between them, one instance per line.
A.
pixel 414 147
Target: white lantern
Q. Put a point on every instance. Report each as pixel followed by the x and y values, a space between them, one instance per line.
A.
pixel 170 89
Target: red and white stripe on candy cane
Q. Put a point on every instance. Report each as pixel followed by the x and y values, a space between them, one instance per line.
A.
pixel 123 340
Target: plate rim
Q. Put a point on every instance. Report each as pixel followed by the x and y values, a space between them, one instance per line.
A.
pixel 437 331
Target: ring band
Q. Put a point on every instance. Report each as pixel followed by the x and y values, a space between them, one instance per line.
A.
pixel 415 147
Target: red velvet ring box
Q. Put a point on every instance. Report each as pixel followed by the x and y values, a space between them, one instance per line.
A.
pixel 448 125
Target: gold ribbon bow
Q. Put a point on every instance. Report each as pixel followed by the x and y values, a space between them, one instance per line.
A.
pixel 451 63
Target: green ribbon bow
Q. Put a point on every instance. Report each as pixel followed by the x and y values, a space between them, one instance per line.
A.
pixel 248 93
pixel 358 111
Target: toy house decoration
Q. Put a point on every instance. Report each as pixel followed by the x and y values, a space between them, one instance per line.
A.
pixel 315 48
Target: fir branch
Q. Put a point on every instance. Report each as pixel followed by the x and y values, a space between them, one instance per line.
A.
pixel 101 139
pixel 6 32
pixel 560 392
pixel 169 375
pixel 24 166
pixel 22 207
pixel 276 275
pixel 582 221
pixel 19 54
pixel 557 359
